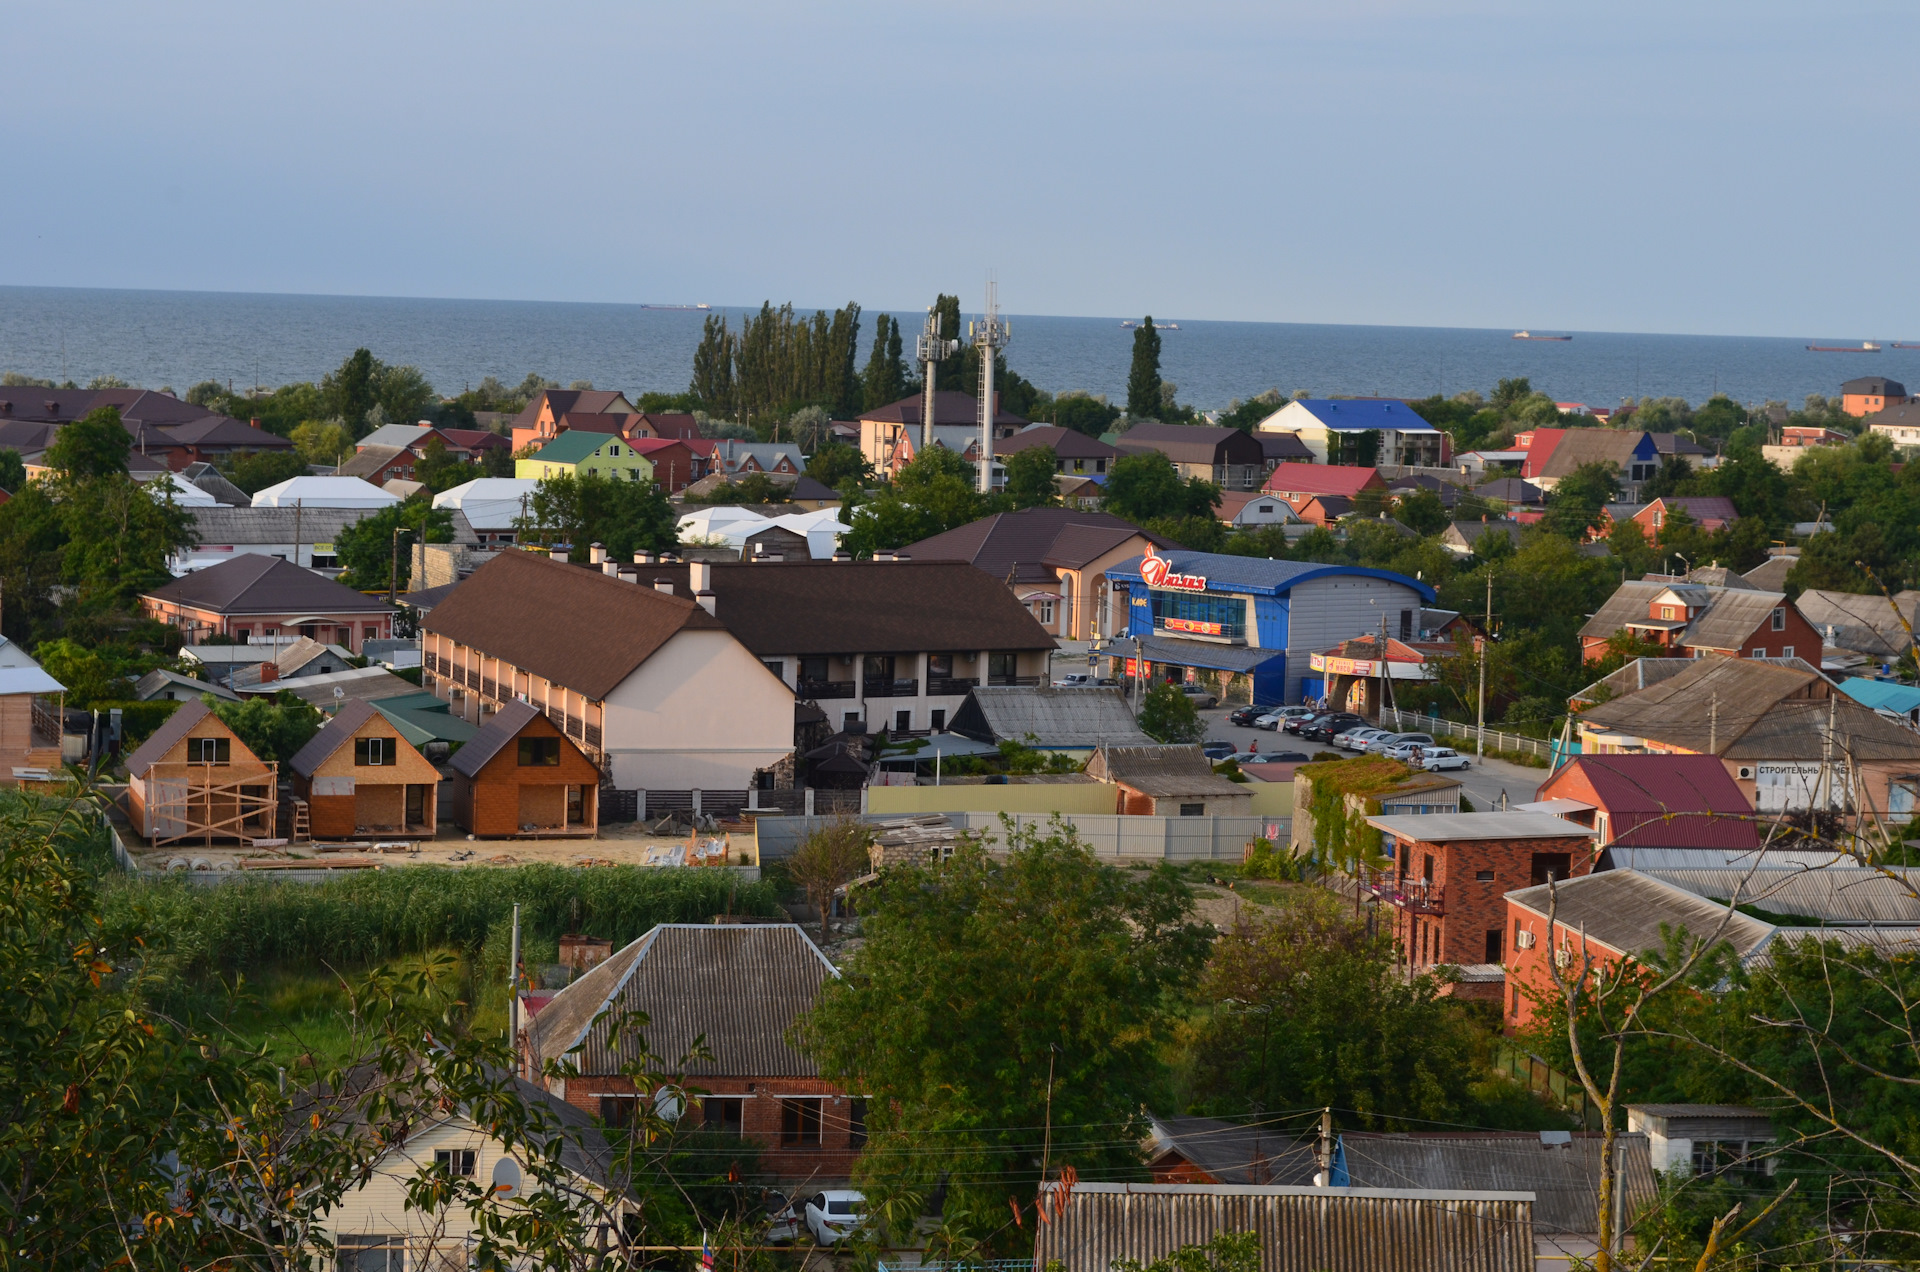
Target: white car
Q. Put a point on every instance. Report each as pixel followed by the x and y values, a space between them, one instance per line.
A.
pixel 1073 679
pixel 1385 744
pixel 1280 715
pixel 1357 739
pixel 833 1215
pixel 1443 757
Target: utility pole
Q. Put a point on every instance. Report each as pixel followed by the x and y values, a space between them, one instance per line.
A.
pixel 990 335
pixel 1323 1151
pixel 1713 725
pixel 393 571
pixel 1486 636
pixel 513 989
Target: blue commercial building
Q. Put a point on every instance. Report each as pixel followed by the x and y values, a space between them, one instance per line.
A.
pixel 1254 617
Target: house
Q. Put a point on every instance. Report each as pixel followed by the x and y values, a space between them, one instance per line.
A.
pixel 1677 446
pixel 1708 512
pixel 194 779
pixel 1081 493
pixel 1047 718
pixel 1652 801
pixel 674 463
pixel 1075 453
pixel 577 452
pixel 302 534
pixel 1898 424
pixel 1167 781
pixel 209 439
pixel 521 775
pixel 890 436
pixel 374 1226
pixel 1870 393
pixel 329 691
pixel 396 435
pixel 1445 491
pixel 206 477
pixel 1300 484
pixel 1688 620
pixel 1054 559
pixel 1788 738
pixel 1190 612
pixel 303 656
pixel 884 644
pixel 737 459
pixel 672 426
pixel 1462 537
pixel 170 686
pixel 797 536
pixel 1227 457
pixel 361 779
pixel 1336 432
pixel 1445 890
pixel 738 989
pixel 32 704
pixel 653 687
pixel 1210 1150
pixel 252 595
pixel 1799 436
pixel 379 465
pixel 1490 463
pixel 1095 1225
pixel 425 721
pixel 1242 509
pixel 1704 1139
pixel 1885 696
pixel 324 492
pixel 1282 448
pixel 540 419
pixel 1415 793
pixel 1553 453
pixel 492 506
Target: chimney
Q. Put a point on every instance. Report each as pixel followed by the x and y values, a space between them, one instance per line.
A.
pixel 558 556
pixel 842 554
pixel 883 556
pixel 255 421
pixel 269 672
pixel 643 557
pixel 611 569
pixel 699 577
pixel 663 585
pixel 597 553
pixel 901 556
pixel 706 600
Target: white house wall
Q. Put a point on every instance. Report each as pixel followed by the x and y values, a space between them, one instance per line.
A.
pixel 701 714
pixel 1324 612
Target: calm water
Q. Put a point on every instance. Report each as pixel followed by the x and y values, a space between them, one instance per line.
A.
pixel 155 339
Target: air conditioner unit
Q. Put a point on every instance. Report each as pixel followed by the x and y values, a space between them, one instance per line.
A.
pixel 1523 940
pixel 1563 958
pixel 1746 772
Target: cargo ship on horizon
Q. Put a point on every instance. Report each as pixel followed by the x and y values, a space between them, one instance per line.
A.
pixel 1528 335
pixel 695 308
pixel 1865 346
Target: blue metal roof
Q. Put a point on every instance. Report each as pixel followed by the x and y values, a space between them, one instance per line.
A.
pixel 1226 572
pixel 1881 693
pixel 1348 415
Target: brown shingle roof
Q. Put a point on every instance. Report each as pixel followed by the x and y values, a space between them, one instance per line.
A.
pixel 175 727
pixel 574 626
pixel 1067 443
pixel 1194 443
pixel 1060 537
pixel 252 583
pixel 950 406
pixel 332 736
pixel 1591 445
pixel 503 728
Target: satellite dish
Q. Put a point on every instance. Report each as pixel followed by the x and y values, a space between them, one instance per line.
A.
pixel 506 1179
pixel 670 1102
pixel 338 693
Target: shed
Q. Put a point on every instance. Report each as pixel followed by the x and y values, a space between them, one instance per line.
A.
pixel 1700 1137
pixel 520 775
pixel 1168 781
pixel 1060 719
pixel 360 777
pixel 195 779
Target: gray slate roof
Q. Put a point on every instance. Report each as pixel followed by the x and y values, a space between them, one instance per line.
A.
pixel 1564 1178
pixel 1235 1153
pixel 737 987
pixel 1732 614
pixel 1057 717
pixel 273 525
pixel 157 681
pixel 1162 771
pixel 1435 828
pixel 1624 910
pixel 1832 894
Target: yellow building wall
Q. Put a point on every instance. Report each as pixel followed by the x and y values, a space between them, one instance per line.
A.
pixel 1272 799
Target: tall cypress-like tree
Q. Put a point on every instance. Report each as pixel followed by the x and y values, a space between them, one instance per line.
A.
pixel 1143 380
pixel 951 374
pixel 885 379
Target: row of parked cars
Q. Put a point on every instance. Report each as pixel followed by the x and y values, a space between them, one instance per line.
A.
pixel 1352 733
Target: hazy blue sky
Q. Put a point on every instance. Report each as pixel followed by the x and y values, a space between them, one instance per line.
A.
pixel 1643 165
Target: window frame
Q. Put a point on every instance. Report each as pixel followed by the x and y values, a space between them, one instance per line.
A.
pixel 458 1161
pixel 800 1121
pixel 375 752
pixel 531 751
pixel 222 751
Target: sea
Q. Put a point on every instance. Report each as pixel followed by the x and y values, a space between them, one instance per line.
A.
pixel 173 339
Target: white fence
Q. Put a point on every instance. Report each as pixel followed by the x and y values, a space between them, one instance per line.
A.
pixel 1494 739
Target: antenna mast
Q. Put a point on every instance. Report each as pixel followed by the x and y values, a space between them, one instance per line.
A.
pixel 931 350
pixel 990 335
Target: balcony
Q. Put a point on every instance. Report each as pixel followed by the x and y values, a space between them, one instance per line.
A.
pixel 893 688
pixel 950 686
pixel 1416 896
pixel 820 689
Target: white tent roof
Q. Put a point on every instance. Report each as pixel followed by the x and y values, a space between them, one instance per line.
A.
pixel 491 503
pixel 324 492
pixel 734 526
pixel 185 493
pixel 710 521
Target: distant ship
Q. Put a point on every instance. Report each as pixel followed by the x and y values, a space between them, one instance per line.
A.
pixel 1865 346
pixel 1902 344
pixel 1129 324
pixel 694 307
pixel 1528 335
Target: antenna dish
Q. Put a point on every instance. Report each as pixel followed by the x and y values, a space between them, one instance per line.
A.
pixel 338 693
pixel 670 1102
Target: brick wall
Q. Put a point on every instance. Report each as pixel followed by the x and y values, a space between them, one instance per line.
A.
pixel 1472 906
pixel 1529 977
pixel 761 1110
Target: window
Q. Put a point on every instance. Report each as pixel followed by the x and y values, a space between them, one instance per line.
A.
pixel 244 635
pixel 939 666
pixel 856 1123
pixel 800 1123
pixel 1786 651
pixel 374 753
pixel 1759 651
pixel 776 666
pixel 1046 612
pixel 370 1254
pixel 618 1110
pixel 1099 465
pixel 1193 810
pixel 813 670
pixel 209 751
pixel 1426 871
pixel 1199 614
pixel 614 450
pixel 1549 865
pixel 1483 876
pixel 849 720
pixel 539 752
pixel 1779 618
pixel 1494 951
pixel 1003 667
pixel 458 1161
pixel 723 1116
pixel 1666 611
pixel 937 720
pixel 902 721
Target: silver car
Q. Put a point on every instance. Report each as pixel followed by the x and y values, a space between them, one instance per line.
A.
pixel 1357 739
pixel 1384 744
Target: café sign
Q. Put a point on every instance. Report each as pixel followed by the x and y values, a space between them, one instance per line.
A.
pixel 1158 572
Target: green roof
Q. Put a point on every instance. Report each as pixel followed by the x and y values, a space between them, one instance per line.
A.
pixel 573 446
pixel 422 718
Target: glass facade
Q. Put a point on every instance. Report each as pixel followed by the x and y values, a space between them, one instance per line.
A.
pixel 1200 614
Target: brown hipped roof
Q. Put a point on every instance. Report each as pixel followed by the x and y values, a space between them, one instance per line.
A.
pixel 1020 543
pixel 950 406
pixel 574 626
pixel 253 583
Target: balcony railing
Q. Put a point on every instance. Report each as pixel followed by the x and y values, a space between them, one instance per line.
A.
pixel 1023 682
pixel 950 686
pixel 1416 896
pixel 818 689
pixel 893 688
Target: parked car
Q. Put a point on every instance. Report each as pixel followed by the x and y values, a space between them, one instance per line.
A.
pixel 1328 727
pixel 1443 757
pixel 1406 750
pixel 1299 723
pixel 1270 757
pixel 1357 739
pixel 1245 716
pixel 783 1221
pixel 1285 717
pixel 833 1215
pixel 1382 744
pixel 1216 751
pixel 1201 695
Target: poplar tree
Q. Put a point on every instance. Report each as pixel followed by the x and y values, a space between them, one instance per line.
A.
pixel 951 374
pixel 885 379
pixel 1143 381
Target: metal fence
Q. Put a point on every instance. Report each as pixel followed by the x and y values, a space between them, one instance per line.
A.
pixel 1468 734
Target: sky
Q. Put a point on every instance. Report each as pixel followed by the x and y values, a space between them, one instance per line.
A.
pixel 1633 165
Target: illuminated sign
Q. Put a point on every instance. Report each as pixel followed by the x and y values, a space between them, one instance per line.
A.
pixel 1342 666
pixel 1194 625
pixel 1158 572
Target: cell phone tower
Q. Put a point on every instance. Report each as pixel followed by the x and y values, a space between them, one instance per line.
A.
pixel 931 350
pixel 990 335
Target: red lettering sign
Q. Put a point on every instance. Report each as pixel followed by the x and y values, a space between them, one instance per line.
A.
pixel 1158 572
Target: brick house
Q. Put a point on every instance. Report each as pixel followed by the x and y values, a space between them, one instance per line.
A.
pixel 1870 393
pixel 1302 484
pixel 1445 891
pixel 361 778
pixel 382 464
pixel 739 988
pixel 1690 619
pixel 521 772
pixel 544 417
pixel 1709 512
pixel 1652 801
pixel 675 464
pixel 253 595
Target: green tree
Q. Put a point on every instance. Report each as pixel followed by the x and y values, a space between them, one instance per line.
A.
pixel 89 678
pixel 13 471
pixel 254 471
pixel 623 516
pixel 439 470
pixel 885 379
pixel 404 394
pixel 96 445
pixel 932 493
pixel 322 442
pixel 273 728
pixel 1143 377
pixel 33 540
pixel 352 389
pixel 1197 533
pixel 1144 485
pixel 990 997
pixel 1310 1009
pixel 1030 474
pixel 1081 412
pixel 367 551
pixel 1245 415
pixel 840 466
pixel 1168 715
pixel 1422 512
pixel 1577 501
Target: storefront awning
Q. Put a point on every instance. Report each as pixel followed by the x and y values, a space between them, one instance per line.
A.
pixel 1195 653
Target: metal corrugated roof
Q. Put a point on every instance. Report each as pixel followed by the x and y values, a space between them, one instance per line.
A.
pixel 1300 1229
pixel 1056 717
pixel 1834 894
pixel 1625 910
pixel 1436 828
pixel 739 988
pixel 1564 1177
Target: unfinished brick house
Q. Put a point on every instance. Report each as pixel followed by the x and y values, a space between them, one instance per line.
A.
pixel 360 778
pixel 520 775
pixel 738 987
